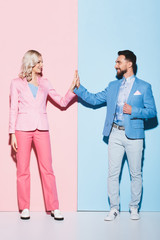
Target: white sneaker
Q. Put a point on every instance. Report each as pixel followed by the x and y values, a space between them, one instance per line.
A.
pixel 57 214
pixel 112 214
pixel 25 214
pixel 134 213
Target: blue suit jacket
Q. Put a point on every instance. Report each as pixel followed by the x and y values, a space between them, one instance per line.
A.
pixel 143 106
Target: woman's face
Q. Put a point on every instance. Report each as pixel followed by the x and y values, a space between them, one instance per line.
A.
pixel 38 68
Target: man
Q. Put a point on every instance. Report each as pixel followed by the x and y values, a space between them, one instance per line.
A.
pixel 129 102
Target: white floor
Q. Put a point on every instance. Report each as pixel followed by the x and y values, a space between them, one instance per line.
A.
pixel 79 226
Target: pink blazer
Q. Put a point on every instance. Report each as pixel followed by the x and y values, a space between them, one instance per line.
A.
pixel 28 113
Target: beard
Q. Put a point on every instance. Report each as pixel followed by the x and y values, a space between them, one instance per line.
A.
pixel 120 74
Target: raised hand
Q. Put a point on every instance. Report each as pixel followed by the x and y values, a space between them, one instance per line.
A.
pixel 76 81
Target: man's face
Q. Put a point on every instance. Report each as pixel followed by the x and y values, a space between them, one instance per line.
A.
pixel 121 66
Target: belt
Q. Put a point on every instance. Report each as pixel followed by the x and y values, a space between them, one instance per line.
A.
pixel 118 127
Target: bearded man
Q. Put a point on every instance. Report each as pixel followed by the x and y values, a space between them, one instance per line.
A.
pixel 129 102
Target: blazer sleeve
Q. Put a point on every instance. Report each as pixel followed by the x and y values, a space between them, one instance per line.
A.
pixel 91 98
pixel 61 101
pixel 149 109
pixel 13 107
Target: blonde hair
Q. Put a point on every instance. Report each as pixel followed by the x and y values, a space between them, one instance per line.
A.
pixel 30 59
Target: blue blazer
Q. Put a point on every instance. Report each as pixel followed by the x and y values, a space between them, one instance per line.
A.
pixel 140 98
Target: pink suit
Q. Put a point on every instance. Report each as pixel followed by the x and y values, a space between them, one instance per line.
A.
pixel 28 120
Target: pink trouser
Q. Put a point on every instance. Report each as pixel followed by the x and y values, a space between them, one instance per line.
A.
pixel 41 141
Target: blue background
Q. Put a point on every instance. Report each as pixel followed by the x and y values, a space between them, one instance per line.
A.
pixel 105 27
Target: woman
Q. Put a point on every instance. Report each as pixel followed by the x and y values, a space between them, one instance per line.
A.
pixel 28 122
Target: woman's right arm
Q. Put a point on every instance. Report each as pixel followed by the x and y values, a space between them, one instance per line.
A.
pixel 13 113
pixel 14 142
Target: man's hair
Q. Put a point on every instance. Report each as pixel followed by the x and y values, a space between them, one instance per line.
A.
pixel 129 55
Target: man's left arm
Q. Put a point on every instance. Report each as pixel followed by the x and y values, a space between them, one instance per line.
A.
pixel 149 109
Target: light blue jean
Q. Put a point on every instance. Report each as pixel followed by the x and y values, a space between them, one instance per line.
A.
pixel 118 145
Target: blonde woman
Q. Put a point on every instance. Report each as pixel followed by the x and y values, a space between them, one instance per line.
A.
pixel 28 123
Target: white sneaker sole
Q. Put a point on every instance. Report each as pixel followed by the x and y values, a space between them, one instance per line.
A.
pixel 134 218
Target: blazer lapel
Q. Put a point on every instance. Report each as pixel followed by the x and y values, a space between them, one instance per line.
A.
pixel 117 90
pixel 39 87
pixel 29 93
pixel 133 90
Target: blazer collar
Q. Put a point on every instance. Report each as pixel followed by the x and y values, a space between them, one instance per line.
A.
pixel 38 80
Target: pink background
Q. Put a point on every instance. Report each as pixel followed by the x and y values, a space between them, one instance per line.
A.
pixel 50 27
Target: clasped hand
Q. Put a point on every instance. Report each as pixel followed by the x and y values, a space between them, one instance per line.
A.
pixel 127 109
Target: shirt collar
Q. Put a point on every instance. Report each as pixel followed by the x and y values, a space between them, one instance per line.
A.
pixel 130 79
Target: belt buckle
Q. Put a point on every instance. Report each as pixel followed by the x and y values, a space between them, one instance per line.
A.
pixel 118 127
pixel 121 128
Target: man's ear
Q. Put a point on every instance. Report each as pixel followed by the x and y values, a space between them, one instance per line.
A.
pixel 130 64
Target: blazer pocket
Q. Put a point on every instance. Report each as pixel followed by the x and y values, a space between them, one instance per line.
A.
pixel 137 100
pixel 137 123
pixel 137 96
pixel 42 112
